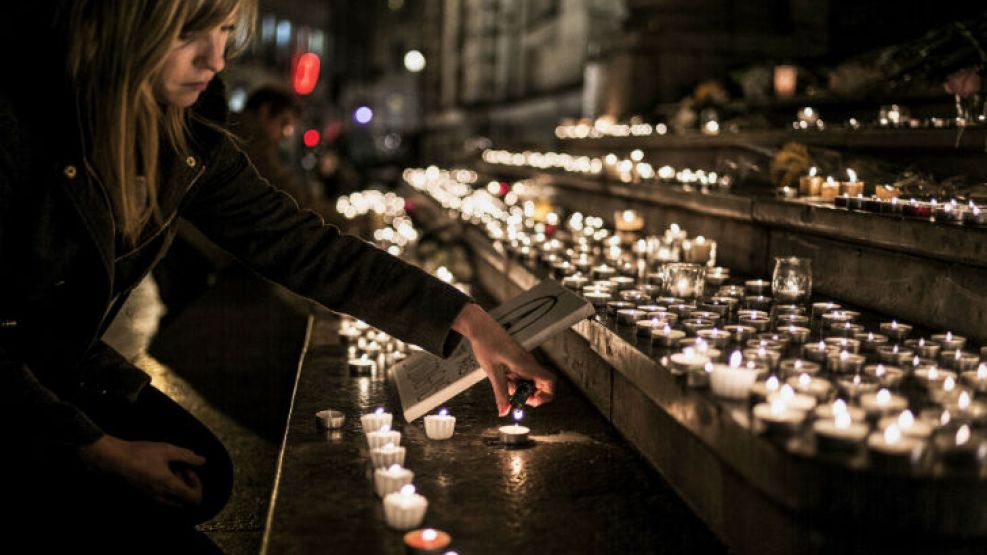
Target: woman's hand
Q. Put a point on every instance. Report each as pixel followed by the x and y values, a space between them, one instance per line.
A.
pixel 504 361
pixel 159 470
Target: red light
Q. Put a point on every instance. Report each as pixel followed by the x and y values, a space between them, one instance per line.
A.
pixel 504 188
pixel 310 138
pixel 306 74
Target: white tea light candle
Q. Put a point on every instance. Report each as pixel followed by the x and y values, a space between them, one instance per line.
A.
pixel 405 509
pixel 440 426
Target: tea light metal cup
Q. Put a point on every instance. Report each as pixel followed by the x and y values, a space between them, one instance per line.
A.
pixel 330 419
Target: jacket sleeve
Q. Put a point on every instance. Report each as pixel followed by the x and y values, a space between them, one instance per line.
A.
pixel 265 229
pixel 39 414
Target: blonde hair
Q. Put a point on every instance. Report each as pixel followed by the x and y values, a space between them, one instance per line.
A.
pixel 116 50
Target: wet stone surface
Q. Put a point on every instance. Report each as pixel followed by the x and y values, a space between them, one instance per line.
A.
pixel 577 487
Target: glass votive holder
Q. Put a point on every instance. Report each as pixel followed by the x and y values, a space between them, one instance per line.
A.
pixel 440 426
pixel 716 338
pixel 797 366
pixel 977 380
pixel 818 309
pixel 758 322
pixel 682 310
pixel 374 421
pixel 330 419
pixel 391 479
pixel 798 334
pixel 924 348
pixel 777 341
pixel 815 352
pixel 669 301
pixel 756 287
pixel 869 342
pixel 895 355
pixel 791 281
pixel 765 357
pixel 615 306
pixel 666 337
pixel 684 280
pixel 647 325
pixel 404 509
pixel 598 298
pixel 895 330
pixel 739 334
pixel 720 305
pixel 853 386
pixel 717 276
pixel 843 344
pixel 385 456
pixel 757 302
pixel 789 319
pixel 622 283
pixel 629 316
pixel 931 377
pixel 885 375
pixel 732 291
pixel 949 341
pixel 844 362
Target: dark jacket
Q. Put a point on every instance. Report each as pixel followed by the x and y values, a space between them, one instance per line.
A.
pixel 57 257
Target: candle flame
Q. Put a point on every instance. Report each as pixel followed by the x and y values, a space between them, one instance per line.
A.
pixel 771 384
pixel 737 357
pixel 407 489
pixel 870 336
pixel 933 372
pixel 851 174
pixel 394 468
pixel 388 446
pixel 892 434
pixel 384 429
pixel 804 381
pixel 839 406
pixel 906 419
pixel 812 171
pixel 379 411
pixel 964 401
pixel 786 393
pixel 883 397
pixel 518 414
pixel 443 412
pixel 945 417
pixel 963 434
pixel 798 364
pixel 842 420
pixel 915 361
pixel 629 216
pixel 982 371
pixel 949 336
pixel 844 356
pixel 777 407
pixel 948 384
pixel 429 535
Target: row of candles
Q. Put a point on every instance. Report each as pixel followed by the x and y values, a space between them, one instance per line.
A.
pixel 620 291
pixel 630 169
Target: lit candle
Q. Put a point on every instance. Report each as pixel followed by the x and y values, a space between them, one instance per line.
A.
pixel 440 426
pixel 977 379
pixel 886 376
pixel 776 417
pixel 666 337
pixel 405 509
pixel 648 325
pixel 688 361
pixel 796 367
pixel 932 377
pixel 790 398
pixel 840 432
pixel 895 330
pixel 362 366
pixel 882 403
pixel 843 362
pixel 962 447
pixel 389 454
pixel 809 385
pixel 761 390
pixel 383 436
pixel 908 425
pixel 515 434
pixel 330 419
pixel 375 420
pixel 426 541
pixel 889 447
pixel 391 479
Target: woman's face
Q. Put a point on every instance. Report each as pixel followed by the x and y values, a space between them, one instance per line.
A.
pixel 191 63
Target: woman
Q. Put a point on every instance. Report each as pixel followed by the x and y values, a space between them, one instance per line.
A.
pixel 90 189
